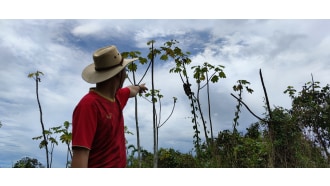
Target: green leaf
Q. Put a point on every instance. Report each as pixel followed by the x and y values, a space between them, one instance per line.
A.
pixel 164 57
pixel 214 79
pixel 222 74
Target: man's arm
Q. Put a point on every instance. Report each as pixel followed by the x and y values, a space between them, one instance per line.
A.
pixel 135 89
pixel 80 157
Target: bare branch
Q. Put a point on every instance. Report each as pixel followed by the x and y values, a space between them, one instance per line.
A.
pixel 248 108
pixel 169 115
pixel 267 101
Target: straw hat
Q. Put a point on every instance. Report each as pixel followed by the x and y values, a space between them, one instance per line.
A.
pixel 107 63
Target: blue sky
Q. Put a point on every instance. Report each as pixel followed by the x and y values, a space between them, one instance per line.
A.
pixel 287 50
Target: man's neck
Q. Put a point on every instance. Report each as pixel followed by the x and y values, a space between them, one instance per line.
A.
pixel 107 90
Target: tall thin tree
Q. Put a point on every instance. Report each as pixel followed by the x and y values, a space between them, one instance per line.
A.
pixel 36 77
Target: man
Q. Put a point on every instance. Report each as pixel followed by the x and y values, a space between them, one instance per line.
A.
pixel 98 138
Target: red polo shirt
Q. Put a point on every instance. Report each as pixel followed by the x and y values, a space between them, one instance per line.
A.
pixel 98 125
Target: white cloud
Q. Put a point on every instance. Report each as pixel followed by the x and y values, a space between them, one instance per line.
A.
pixel 87 29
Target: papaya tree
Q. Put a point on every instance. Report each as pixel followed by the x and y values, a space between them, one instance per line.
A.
pixel 206 73
pixel 132 67
pixel 44 143
pixel 48 140
pixel 155 95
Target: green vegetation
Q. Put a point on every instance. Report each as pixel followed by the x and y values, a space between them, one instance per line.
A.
pixel 27 162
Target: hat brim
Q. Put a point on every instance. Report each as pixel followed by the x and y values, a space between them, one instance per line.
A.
pixel 90 75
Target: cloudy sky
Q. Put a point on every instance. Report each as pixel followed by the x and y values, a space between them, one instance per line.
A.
pixel 287 51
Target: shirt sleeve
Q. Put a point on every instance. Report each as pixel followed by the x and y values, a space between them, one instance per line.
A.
pixel 123 96
pixel 84 123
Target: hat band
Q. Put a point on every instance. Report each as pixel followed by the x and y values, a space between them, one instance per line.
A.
pixel 111 67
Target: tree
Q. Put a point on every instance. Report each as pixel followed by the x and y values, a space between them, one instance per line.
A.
pixel 27 162
pixel 239 88
pixel 311 111
pixel 47 137
pixel 153 93
pixel 287 139
pixel 132 67
pixel 202 74
pixel 44 142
